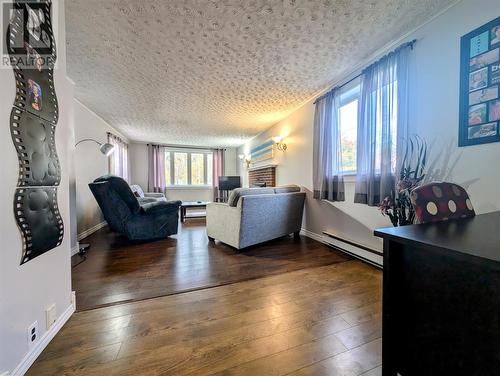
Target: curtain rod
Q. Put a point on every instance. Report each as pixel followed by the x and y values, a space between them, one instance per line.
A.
pixel 406 44
pixel 117 137
pixel 186 147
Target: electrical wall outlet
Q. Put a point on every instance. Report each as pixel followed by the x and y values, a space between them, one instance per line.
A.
pixel 73 299
pixel 51 315
pixel 32 334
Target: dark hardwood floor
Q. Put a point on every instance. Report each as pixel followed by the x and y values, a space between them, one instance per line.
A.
pixel 317 321
pixel 118 270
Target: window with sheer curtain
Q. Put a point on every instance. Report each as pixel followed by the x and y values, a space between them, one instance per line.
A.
pixel 118 161
pixel 359 130
pixel 382 125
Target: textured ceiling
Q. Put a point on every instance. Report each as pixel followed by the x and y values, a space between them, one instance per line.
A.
pixel 216 73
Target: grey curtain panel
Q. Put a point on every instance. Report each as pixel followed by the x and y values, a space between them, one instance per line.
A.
pixel 382 126
pixel 328 180
pixel 118 161
pixel 156 169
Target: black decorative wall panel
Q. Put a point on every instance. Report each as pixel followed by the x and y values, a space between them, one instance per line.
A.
pixel 31 46
pixel 44 104
pixel 39 220
pixel 34 140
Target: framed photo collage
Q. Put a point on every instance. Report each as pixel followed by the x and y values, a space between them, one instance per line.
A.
pixel 480 85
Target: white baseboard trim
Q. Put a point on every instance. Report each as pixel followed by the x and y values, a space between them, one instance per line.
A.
pixel 33 354
pixel 372 257
pixel 312 235
pixel 91 230
pixel 74 251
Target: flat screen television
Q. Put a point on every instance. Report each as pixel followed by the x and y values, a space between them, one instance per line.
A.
pixel 228 183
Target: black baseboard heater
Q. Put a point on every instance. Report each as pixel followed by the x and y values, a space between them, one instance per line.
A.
pixel 362 252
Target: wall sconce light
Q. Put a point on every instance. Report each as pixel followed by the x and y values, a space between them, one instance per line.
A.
pixel 247 158
pixel 280 144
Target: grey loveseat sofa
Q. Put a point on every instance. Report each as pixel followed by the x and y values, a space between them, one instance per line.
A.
pixel 127 216
pixel 255 215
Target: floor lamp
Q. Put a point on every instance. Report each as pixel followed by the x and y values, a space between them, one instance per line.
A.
pixel 106 149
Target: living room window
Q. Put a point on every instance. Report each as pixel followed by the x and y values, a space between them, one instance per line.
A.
pixel 348 117
pixel 188 168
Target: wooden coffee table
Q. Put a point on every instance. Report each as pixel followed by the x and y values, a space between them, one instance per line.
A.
pixel 192 204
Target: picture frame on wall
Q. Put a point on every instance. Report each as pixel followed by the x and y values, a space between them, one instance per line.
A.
pixel 263 152
pixel 480 85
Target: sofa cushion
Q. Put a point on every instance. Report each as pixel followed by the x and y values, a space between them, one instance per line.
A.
pixel 161 206
pixel 287 189
pixel 137 190
pixel 151 198
pixel 146 200
pixel 240 192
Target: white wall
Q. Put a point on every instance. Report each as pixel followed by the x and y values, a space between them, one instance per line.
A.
pixel 231 162
pixel 433 115
pixel 139 174
pixel 90 163
pixel 27 290
pixel 435 106
pixel 138 156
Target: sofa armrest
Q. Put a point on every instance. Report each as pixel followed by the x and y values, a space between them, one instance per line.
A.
pixel 157 206
pixel 221 209
pixel 223 223
pixel 154 195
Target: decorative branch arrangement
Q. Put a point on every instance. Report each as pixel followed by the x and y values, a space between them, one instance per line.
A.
pixel 398 206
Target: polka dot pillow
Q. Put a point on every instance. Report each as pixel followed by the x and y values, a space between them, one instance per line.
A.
pixel 436 202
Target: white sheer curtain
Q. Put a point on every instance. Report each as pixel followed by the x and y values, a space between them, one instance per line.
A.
pixel 382 125
pixel 118 161
pixel 328 180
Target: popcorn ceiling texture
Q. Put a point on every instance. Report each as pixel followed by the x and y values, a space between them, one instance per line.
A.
pixel 216 73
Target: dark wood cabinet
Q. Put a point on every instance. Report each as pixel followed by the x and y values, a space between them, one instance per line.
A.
pixel 441 298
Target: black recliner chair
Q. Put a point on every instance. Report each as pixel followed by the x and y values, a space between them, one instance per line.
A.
pixel 125 215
